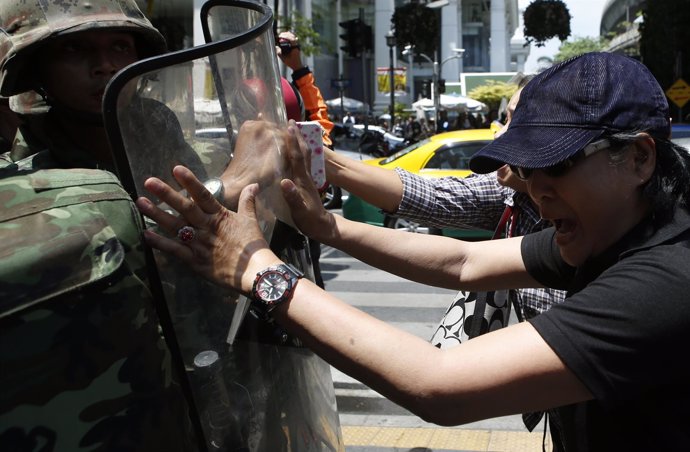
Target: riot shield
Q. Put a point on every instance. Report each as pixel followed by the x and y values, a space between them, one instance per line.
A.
pixel 252 386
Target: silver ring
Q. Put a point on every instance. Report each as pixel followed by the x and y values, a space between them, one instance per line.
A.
pixel 186 234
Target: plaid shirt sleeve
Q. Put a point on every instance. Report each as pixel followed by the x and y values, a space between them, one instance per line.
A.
pixel 474 202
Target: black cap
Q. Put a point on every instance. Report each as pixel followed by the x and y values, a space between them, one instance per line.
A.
pixel 567 106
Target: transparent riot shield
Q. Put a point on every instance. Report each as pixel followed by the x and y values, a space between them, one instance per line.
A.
pixel 252 386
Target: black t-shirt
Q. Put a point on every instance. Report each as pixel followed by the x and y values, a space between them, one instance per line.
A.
pixel 624 331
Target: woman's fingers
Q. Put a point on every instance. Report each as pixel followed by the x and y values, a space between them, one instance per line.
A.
pixel 247 203
pixel 177 201
pixel 169 246
pixel 200 196
pixel 291 194
pixel 195 208
pixel 166 221
pixel 296 154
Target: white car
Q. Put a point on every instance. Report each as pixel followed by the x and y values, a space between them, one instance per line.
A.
pixel 394 141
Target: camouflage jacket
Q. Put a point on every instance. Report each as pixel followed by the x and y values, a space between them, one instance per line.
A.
pixel 84 366
pixel 35 148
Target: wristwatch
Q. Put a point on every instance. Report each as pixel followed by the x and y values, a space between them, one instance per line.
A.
pixel 216 188
pixel 275 285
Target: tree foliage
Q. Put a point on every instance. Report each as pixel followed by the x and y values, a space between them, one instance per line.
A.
pixel 400 110
pixel 417 25
pixel 578 46
pixel 546 19
pixel 664 38
pixel 492 93
pixel 310 41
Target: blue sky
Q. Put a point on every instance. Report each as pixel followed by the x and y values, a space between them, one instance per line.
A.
pixel 585 18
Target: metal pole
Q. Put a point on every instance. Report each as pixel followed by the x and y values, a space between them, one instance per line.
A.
pixel 365 72
pixel 410 77
pixel 341 88
pixel 392 87
pixel 437 94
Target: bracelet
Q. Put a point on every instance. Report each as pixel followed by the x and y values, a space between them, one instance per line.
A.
pixel 299 73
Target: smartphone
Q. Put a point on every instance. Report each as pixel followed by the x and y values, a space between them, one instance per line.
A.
pixel 313 136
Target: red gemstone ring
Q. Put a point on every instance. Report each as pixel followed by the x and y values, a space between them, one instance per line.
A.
pixel 186 234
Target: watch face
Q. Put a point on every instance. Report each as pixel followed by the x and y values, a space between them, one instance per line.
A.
pixel 215 186
pixel 271 286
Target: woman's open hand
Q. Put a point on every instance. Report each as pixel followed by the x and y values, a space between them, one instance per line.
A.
pixel 225 247
pixel 300 192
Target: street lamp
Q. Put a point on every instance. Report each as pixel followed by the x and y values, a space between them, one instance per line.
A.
pixel 436 76
pixel 390 42
pixel 408 51
pixel 458 53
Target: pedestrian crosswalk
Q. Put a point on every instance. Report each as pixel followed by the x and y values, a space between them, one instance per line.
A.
pixel 372 423
pixel 413 307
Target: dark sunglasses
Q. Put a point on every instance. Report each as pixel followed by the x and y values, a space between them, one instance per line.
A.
pixel 561 168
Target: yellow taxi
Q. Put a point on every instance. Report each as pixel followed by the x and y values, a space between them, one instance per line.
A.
pixel 444 154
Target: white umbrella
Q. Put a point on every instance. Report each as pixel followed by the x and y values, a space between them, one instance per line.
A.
pixel 452 102
pixel 423 104
pixel 347 103
pixel 462 103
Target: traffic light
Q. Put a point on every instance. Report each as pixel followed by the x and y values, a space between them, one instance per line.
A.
pixel 426 88
pixel 357 37
pixel 367 36
pixel 349 37
pixel 441 86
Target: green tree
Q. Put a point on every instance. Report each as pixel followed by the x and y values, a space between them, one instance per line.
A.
pixel 309 40
pixel 664 38
pixel 417 25
pixel 399 109
pixel 492 93
pixel 578 46
pixel 546 19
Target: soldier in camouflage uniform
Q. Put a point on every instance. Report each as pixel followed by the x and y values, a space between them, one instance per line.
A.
pixel 84 365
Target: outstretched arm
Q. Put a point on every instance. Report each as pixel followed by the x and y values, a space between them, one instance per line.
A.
pixel 473 202
pixel 438 261
pixel 378 186
pixel 473 381
pixel 433 260
pixel 304 80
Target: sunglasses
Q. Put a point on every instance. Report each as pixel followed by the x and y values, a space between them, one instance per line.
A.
pixel 561 168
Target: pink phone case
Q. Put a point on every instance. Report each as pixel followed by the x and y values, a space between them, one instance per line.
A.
pixel 312 133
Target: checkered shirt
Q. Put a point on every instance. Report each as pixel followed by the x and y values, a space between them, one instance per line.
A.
pixel 475 202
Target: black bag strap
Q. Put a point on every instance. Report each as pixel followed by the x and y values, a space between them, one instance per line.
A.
pixel 478 314
pixel 482 297
pixel 505 216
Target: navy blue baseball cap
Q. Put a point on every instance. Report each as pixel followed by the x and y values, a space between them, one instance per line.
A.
pixel 573 103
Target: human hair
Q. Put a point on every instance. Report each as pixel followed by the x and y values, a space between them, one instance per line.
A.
pixel 669 186
pixel 520 79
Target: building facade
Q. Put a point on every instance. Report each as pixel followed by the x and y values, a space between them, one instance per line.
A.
pixel 489 32
pixel 620 23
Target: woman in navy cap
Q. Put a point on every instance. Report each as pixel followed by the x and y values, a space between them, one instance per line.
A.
pixel 592 143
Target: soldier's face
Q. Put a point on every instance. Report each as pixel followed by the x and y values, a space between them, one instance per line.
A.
pixel 75 69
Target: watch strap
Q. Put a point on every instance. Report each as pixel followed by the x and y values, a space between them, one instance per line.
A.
pixel 294 271
pixel 299 73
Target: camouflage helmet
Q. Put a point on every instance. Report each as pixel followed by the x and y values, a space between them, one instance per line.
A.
pixel 25 25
